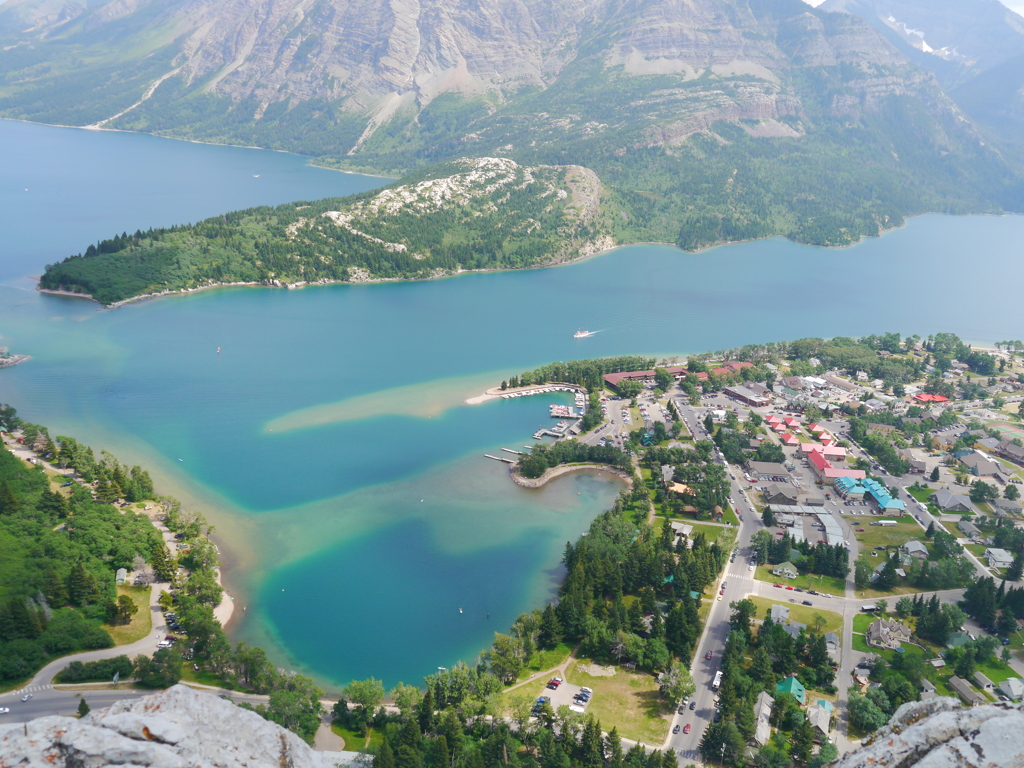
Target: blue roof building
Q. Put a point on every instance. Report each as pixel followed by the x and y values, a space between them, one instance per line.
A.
pixel 882 498
pixel 849 487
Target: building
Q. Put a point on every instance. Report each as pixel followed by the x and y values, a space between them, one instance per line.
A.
pixel 979 464
pixel 1009 450
pixel 842 384
pixel 832 641
pixel 826 473
pixel 915 549
pixel 887 634
pixel 849 488
pixel 882 498
pixel 968 529
pixel 790 440
pixel 766 470
pixel 923 397
pixel 967 694
pixel 885 430
pixel 762 716
pixel 820 717
pixel 614 379
pixel 793 687
pixel 682 530
pixel 951 502
pixel 983 682
pixel 957 639
pixel 785 520
pixel 779 494
pixel 786 570
pixel 747 395
pixel 779 613
pixel 998 558
pixel 794 628
pixel 1013 689
pixel 1008 507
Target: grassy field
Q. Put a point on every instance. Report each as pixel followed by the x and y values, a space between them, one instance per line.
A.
pixel 804 614
pixel 627 701
pixel 142 621
pixel 860 643
pixel 874 594
pixel 879 536
pixel 921 494
pixel 862 621
pixel 543 660
pixel 829 584
pixel 725 536
pixel 203 677
pixel 355 742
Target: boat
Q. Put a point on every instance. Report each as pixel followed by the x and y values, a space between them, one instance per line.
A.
pixel 583 334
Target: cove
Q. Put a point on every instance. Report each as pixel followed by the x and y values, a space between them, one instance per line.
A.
pixel 365 385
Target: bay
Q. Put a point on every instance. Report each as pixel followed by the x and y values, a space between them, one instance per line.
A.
pixel 328 438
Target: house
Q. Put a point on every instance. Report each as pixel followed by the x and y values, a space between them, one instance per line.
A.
pixel 951 502
pixel 979 464
pixel 887 634
pixel 786 569
pixel 793 687
pixel 968 529
pixel 1013 689
pixel 967 694
pixel 915 549
pixel 780 494
pixel 926 398
pixel 1008 507
pixel 762 717
pixel 790 440
pixel 820 717
pixel 779 613
pixel 957 639
pixel 121 576
pixel 832 641
pixel 794 628
pixel 881 496
pixel 983 682
pixel 827 473
pixel 998 558
pixel 927 686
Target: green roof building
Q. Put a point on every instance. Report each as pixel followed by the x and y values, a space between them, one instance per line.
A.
pixel 794 687
pixel 956 639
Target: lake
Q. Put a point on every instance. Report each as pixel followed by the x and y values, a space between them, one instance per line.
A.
pixel 363 530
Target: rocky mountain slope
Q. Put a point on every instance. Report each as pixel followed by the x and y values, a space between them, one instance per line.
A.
pixel 485 213
pixel 709 120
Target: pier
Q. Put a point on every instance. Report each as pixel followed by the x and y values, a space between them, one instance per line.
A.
pixel 518 453
pixel 500 458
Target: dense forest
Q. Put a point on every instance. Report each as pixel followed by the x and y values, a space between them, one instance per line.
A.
pixel 58 557
pixel 544 457
pixel 464 215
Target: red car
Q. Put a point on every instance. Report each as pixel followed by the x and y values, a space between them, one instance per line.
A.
pixel 860 530
pixel 788 587
pixel 686 728
pixel 707 655
pixel 777 585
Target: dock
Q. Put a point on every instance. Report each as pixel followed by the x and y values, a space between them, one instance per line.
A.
pixel 518 453
pixel 499 458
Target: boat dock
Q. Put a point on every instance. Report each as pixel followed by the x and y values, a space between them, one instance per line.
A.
pixel 499 458
pixel 542 432
pixel 518 453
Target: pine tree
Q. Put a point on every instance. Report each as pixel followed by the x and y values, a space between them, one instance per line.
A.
pixel 81 585
pixel 24 619
pixel 425 712
pixel 55 590
pixel 8 501
pixel 550 628
pixel 83 708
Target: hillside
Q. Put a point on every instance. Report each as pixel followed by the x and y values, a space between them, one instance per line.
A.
pixel 708 121
pixel 469 214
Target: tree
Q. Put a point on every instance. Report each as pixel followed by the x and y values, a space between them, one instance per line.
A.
pixel 709 424
pixel 1016 569
pixel 9 504
pixel 676 683
pixel 982 491
pixel 368 694
pixel 802 741
pixel 768 517
pixel 883 606
pixel 904 606
pixel 162 671
pixel 126 608
pixel 826 755
pixel 934 476
pixel 930 532
pixel 406 698
pixel 862 573
pixel 550 633
pixel 83 707
pixel 1011 493
pixel 864 713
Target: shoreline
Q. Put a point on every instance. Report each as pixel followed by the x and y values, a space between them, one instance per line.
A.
pixel 565 469
pixel 494 393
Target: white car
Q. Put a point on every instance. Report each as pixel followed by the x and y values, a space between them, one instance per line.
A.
pixel 4 710
pixel 750 568
pixel 26 697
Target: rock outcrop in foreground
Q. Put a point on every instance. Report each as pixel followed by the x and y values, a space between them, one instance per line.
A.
pixel 176 728
pixel 940 733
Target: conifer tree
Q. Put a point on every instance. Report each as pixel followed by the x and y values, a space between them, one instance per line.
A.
pixel 81 585
pixel 83 708
pixel 8 501
pixel 55 590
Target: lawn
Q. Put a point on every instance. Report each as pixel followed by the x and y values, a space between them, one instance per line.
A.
pixel 829 584
pixel 543 660
pixel 860 643
pixel 995 670
pixel 355 742
pixel 862 621
pixel 729 516
pixel 142 621
pixel 802 613
pixel 724 536
pixel 874 594
pixel 880 536
pixel 921 494
pixel 204 677
pixel 627 701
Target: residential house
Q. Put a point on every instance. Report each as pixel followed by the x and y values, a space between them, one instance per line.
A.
pixel 887 634
pixel 968 529
pixel 967 694
pixel 780 494
pixel 998 558
pixel 790 440
pixel 793 629
pixel 832 641
pixel 820 717
pixel 779 613
pixel 915 548
pixel 948 501
pixel 793 687
pixel 927 686
pixel 762 717
pixel 786 570
pixel 682 531
pixel 1008 507
pixel 983 682
pixel 1013 689
pixel 979 464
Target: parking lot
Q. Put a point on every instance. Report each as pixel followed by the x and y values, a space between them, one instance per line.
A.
pixel 565 695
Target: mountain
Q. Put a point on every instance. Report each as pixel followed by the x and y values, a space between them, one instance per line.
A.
pixel 469 214
pixel 706 120
pixel 974 47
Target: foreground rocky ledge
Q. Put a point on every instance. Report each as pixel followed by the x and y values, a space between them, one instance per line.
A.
pixel 176 728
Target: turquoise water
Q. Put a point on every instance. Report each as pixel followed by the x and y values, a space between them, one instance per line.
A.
pixel 331 412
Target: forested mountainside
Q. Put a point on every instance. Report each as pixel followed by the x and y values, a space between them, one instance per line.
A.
pixel 708 121
pixel 469 214
pixel 975 49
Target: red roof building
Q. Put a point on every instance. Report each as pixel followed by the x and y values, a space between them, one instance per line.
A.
pixel 923 397
pixel 791 422
pixel 790 439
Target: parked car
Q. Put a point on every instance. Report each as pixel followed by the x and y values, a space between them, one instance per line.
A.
pixel 686 728
pixel 789 587
pixel 4 710
pixel 708 655
pixel 808 602
pixel 676 729
pixel 26 697
pixel 693 706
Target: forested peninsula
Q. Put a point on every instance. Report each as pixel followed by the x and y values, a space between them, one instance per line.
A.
pixel 488 213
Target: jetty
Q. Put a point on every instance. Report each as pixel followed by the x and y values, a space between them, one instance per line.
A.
pixel 499 458
pixel 518 453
